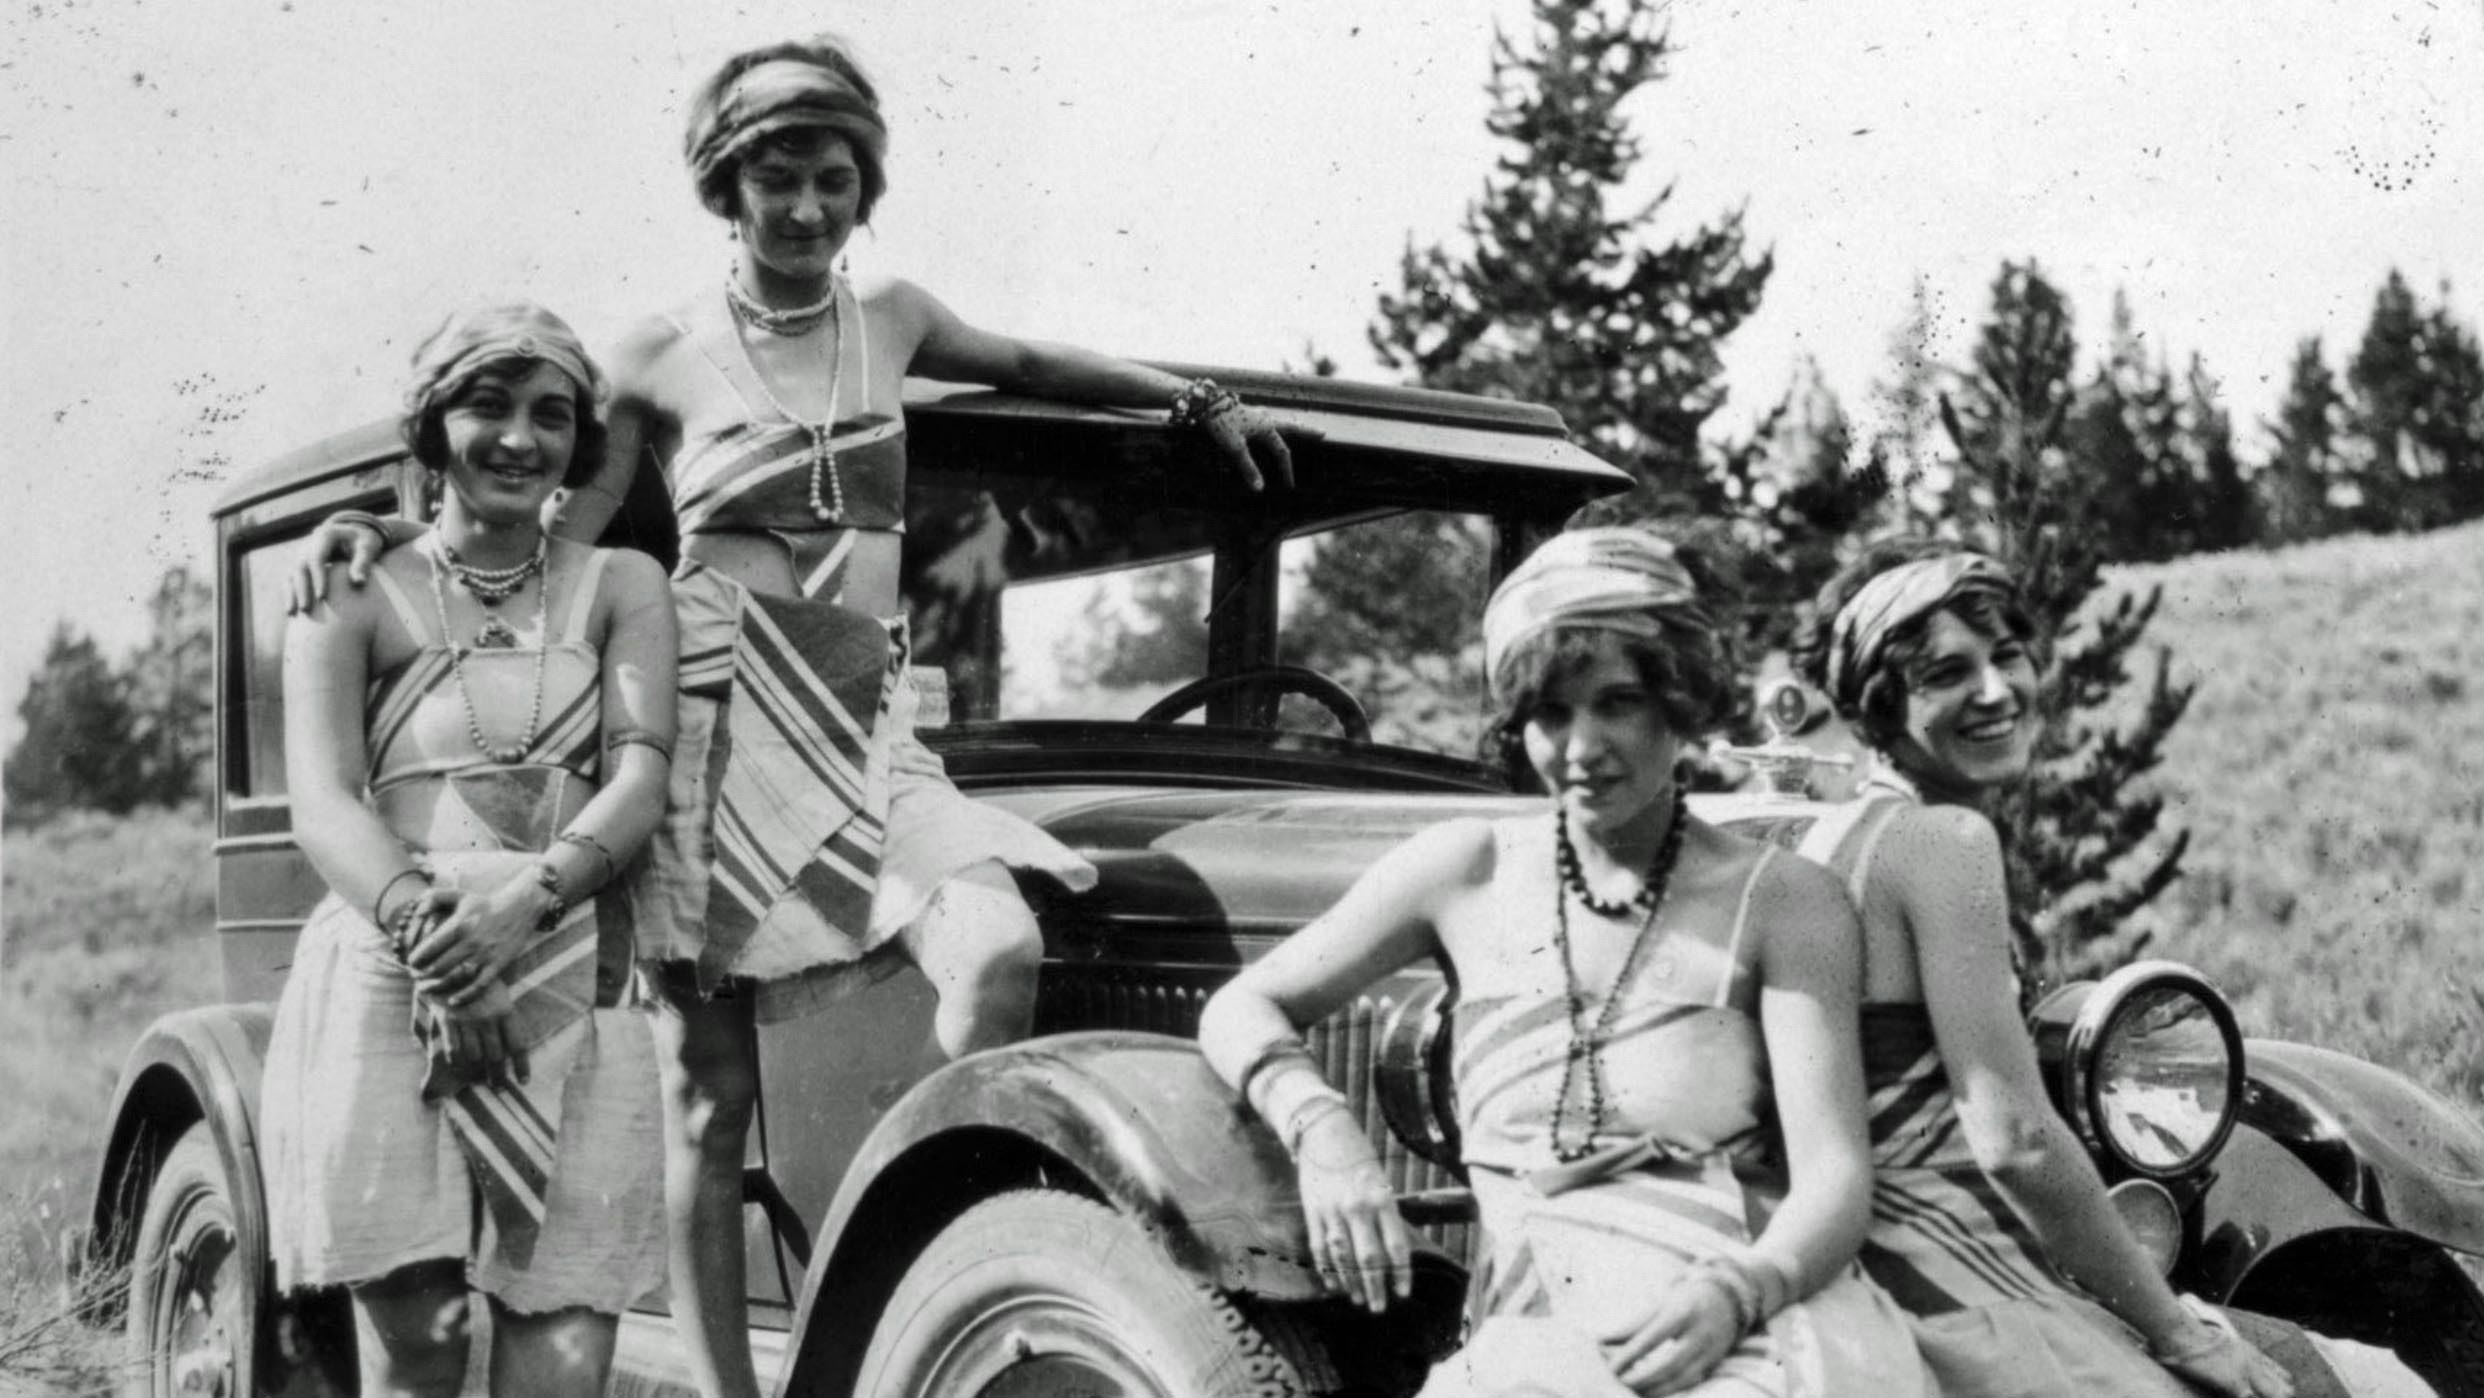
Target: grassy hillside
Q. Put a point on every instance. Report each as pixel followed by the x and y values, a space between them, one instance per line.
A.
pixel 2331 770
pixel 108 927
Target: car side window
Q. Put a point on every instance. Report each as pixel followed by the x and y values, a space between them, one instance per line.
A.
pixel 1392 608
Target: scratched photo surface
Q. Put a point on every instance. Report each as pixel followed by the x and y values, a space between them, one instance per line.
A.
pixel 229 221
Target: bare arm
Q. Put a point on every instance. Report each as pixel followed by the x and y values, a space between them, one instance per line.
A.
pixel 1249 1029
pixel 949 348
pixel 1948 863
pixel 327 662
pixel 1809 965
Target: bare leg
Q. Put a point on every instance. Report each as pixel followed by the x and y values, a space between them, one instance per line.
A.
pixel 559 1354
pixel 978 945
pixel 411 1326
pixel 707 1050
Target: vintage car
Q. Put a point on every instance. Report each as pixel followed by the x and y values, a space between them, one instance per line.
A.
pixel 1091 1211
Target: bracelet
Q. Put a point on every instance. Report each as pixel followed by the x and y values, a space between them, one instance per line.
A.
pixel 364 518
pixel 1299 1123
pixel 1273 1052
pixel 1740 1288
pixel 379 917
pixel 623 737
pixel 1201 402
pixel 588 842
pixel 2218 1338
pixel 549 879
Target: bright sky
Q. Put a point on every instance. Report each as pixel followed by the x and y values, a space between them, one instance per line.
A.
pixel 227 220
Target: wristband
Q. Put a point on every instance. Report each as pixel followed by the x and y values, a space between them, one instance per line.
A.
pixel 595 846
pixel 363 518
pixel 1740 1288
pixel 1304 1117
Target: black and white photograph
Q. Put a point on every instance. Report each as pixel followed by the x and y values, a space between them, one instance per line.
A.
pixel 1064 699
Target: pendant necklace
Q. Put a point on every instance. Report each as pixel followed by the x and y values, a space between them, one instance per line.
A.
pixel 506 754
pixel 1587 1042
pixel 491 587
pixel 823 458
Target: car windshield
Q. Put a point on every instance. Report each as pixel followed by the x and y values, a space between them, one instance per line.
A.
pixel 1066 600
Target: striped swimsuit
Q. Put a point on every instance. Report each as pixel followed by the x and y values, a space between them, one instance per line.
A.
pixel 375 1155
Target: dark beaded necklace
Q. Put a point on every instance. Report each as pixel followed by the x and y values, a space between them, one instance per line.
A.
pixel 1586 1042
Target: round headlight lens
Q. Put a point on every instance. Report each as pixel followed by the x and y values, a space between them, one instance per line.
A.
pixel 2148 1210
pixel 2165 1072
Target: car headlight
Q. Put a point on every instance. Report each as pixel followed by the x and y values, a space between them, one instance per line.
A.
pixel 2149 1064
pixel 1411 1077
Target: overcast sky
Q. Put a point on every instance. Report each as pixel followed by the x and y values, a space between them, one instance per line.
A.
pixel 227 220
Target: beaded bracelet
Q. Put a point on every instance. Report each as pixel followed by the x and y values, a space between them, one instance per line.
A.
pixel 1201 402
pixel 549 879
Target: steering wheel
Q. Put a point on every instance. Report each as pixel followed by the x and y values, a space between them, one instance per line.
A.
pixel 1284 679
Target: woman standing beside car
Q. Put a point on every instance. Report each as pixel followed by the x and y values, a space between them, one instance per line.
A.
pixel 1990 1223
pixel 809 836
pixel 473 749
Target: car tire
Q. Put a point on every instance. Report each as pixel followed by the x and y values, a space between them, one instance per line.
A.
pixel 1040 1292
pixel 193 1293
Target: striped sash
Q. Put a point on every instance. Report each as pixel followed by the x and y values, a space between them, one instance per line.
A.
pixel 510 1135
pixel 795 818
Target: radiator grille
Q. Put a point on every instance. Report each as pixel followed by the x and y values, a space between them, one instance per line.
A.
pixel 1346 1044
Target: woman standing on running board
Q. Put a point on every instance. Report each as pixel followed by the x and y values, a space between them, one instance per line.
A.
pixel 770 401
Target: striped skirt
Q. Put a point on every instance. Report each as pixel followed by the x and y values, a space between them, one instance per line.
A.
pixel 364 1177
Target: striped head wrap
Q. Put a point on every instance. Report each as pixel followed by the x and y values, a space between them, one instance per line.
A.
pixel 479 335
pixel 782 94
pixel 1859 637
pixel 1612 578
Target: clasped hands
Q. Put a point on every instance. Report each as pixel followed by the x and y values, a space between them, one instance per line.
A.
pixel 457 946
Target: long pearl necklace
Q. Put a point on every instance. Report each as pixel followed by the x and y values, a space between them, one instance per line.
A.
pixel 792 321
pixel 823 459
pixel 506 754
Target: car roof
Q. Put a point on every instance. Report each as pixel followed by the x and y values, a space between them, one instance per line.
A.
pixel 1519 448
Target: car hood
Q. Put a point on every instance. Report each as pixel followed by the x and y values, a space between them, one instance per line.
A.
pixel 1260 861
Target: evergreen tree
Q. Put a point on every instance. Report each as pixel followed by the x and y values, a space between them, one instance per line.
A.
pixel 2081 839
pixel 2416 415
pixel 2227 511
pixel 171 688
pixel 2303 466
pixel 2158 455
pixel 1552 295
pixel 75 750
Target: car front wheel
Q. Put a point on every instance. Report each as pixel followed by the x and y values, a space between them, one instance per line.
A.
pixel 193 1292
pixel 1038 1292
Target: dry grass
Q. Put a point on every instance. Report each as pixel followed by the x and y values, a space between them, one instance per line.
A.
pixel 109 926
pixel 2331 770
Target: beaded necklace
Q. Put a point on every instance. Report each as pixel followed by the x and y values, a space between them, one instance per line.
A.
pixel 491 587
pixel 507 754
pixel 793 320
pixel 1587 1042
pixel 822 458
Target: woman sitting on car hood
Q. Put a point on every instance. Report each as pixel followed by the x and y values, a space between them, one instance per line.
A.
pixel 1661 1107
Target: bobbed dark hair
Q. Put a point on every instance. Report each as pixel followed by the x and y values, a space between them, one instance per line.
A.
pixel 1876 704
pixel 857 122
pixel 1692 666
pixel 428 440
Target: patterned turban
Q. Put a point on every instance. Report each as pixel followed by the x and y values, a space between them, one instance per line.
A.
pixel 1613 578
pixel 1860 635
pixel 478 335
pixel 780 95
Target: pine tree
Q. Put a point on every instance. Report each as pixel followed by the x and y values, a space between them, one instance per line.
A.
pixel 2415 415
pixel 2081 839
pixel 2158 454
pixel 1554 297
pixel 2294 486
pixel 75 750
pixel 171 688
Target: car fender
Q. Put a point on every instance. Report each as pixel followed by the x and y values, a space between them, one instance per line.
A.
pixel 192 1065
pixel 2394 1153
pixel 1137 1119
